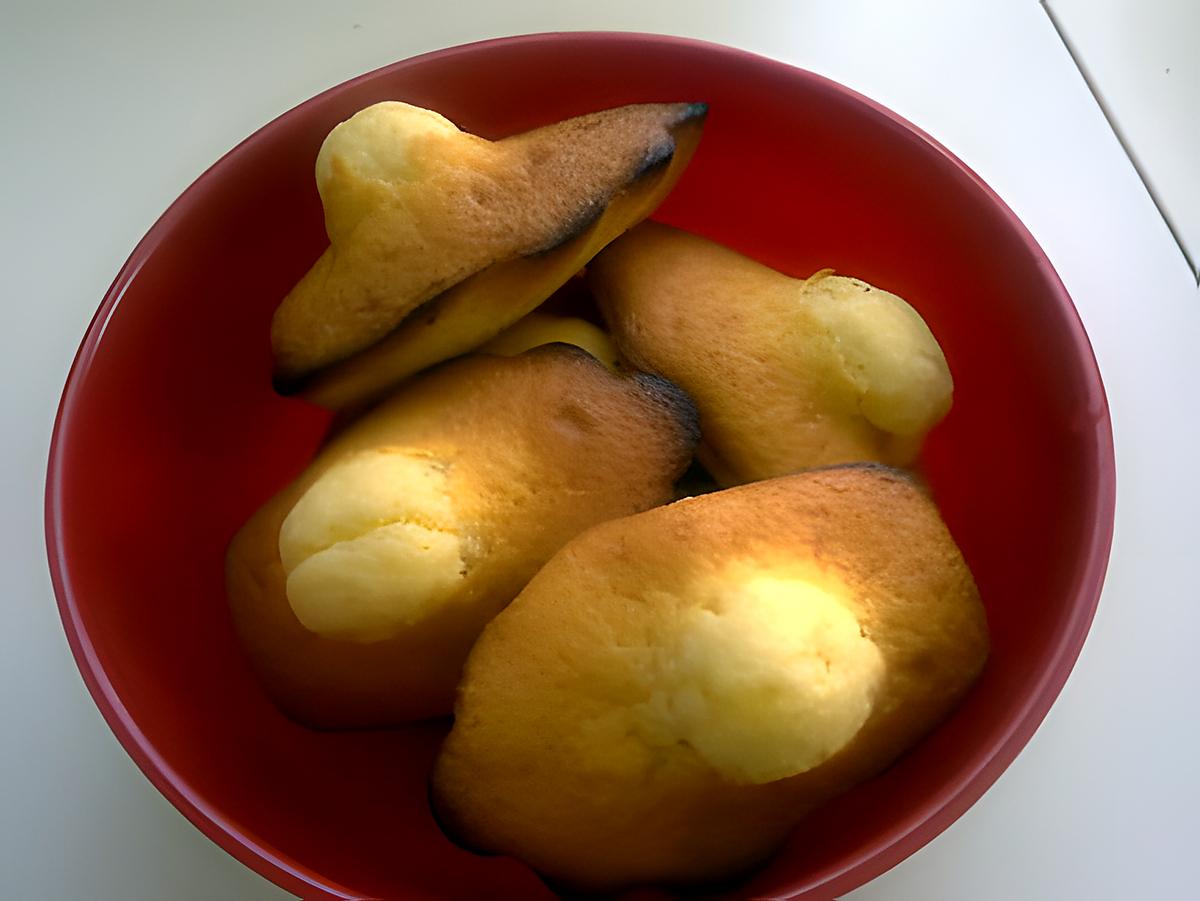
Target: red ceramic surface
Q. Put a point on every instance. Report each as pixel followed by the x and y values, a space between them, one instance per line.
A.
pixel 169 436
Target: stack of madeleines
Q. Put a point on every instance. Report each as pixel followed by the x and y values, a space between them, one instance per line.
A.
pixel 647 688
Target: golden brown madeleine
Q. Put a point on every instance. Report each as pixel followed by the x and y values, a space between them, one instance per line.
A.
pixel 540 328
pixel 673 691
pixel 787 373
pixel 359 589
pixel 439 239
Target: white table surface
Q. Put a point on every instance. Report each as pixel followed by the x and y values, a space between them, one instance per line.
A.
pixel 1143 60
pixel 107 111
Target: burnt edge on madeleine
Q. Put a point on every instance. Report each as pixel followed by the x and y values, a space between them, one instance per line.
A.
pixel 589 214
pixel 677 402
pixel 656 158
pixel 909 477
pixel 660 390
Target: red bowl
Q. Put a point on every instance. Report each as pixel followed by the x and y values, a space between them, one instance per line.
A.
pixel 169 436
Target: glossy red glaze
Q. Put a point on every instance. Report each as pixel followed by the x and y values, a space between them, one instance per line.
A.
pixel 169 436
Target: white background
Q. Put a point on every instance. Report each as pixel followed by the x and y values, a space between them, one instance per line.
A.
pixel 107 111
pixel 1143 59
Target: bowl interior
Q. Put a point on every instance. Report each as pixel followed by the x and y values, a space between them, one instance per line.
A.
pixel 170 436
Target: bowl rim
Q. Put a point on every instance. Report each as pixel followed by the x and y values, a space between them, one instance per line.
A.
pixel 903 838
